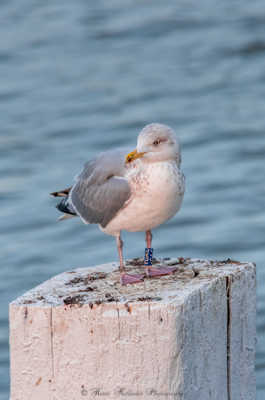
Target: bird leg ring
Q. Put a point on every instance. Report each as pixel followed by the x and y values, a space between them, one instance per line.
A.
pixel 152 272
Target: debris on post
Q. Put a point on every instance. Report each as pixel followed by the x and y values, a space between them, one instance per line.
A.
pixel 190 335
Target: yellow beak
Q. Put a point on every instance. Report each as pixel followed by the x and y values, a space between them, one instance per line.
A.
pixel 133 156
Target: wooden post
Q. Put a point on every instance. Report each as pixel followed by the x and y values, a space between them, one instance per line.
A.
pixel 189 336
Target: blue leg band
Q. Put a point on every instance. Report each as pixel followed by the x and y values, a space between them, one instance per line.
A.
pixel 148 256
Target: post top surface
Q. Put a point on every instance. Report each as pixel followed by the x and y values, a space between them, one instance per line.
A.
pixel 101 284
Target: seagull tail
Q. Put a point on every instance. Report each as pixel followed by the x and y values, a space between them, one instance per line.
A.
pixel 64 205
pixel 65 216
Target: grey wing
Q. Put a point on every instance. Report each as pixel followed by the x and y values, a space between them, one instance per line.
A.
pixel 101 189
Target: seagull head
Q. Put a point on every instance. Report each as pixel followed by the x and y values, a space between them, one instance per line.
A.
pixel 156 142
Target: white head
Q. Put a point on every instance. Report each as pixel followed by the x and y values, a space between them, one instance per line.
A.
pixel 156 142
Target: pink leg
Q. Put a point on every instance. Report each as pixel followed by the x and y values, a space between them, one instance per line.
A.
pixel 148 238
pixel 153 272
pixel 150 271
pixel 126 278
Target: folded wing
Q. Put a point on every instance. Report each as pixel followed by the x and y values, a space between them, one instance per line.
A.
pixel 101 189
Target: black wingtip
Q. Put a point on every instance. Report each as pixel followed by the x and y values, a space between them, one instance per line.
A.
pixel 64 207
pixel 61 193
pixel 58 194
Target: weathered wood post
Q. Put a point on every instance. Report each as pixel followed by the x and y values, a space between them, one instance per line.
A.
pixel 189 336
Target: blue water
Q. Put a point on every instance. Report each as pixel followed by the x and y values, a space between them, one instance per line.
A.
pixel 78 77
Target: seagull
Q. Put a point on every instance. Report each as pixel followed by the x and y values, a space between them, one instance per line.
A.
pixel 130 191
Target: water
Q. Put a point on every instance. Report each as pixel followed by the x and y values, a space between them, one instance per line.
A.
pixel 80 77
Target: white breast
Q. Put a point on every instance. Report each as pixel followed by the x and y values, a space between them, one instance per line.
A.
pixel 157 193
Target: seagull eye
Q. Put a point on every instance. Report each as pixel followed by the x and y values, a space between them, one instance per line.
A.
pixel 156 142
